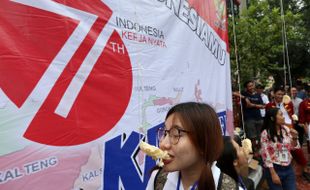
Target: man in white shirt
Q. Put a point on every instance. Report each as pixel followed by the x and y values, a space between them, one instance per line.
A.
pixel 295 100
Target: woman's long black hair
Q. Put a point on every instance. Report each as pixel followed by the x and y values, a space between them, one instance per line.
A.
pixel 270 124
pixel 226 160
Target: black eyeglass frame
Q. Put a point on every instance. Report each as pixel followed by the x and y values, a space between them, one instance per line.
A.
pixel 172 139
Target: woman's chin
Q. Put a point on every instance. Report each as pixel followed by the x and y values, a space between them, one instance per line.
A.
pixel 169 168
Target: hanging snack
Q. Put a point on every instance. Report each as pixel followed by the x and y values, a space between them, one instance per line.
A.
pixel 295 117
pixel 154 152
pixel 286 99
pixel 247 146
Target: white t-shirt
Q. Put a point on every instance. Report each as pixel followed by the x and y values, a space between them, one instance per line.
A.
pixel 265 101
pixel 296 101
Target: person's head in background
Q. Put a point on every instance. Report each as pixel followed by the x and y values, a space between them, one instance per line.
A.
pixel 194 141
pixel 249 86
pixel 272 122
pixel 233 160
pixel 271 95
pixel 299 84
pixel 301 89
pixel 260 88
pixel 286 89
pixel 293 92
pixel 278 94
pixel 308 91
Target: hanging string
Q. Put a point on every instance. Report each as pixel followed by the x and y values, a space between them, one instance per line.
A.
pixel 286 60
pixel 285 56
pixel 238 64
pixel 139 87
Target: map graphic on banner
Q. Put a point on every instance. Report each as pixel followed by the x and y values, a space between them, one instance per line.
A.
pixel 83 82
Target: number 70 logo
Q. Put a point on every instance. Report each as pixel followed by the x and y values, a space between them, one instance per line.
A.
pixel 59 71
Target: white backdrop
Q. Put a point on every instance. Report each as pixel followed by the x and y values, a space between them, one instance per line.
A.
pixel 82 82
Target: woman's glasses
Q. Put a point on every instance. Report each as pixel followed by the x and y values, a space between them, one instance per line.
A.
pixel 173 133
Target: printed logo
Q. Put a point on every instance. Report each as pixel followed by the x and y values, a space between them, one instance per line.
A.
pixel 68 67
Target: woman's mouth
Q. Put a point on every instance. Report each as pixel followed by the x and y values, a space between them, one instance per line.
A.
pixel 168 161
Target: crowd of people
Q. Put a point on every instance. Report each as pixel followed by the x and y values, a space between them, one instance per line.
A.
pixel 277 123
pixel 201 158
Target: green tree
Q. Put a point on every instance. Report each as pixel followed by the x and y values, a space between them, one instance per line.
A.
pixel 260 40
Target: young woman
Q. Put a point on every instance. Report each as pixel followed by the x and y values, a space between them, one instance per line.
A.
pixel 277 141
pixel 193 139
pixel 233 161
pixel 287 110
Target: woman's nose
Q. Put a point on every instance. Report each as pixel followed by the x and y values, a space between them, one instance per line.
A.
pixel 165 143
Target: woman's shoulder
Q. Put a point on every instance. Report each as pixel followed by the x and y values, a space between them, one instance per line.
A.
pixel 157 180
pixel 227 183
pixel 151 182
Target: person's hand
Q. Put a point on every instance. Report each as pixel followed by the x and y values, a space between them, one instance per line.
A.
pixel 276 179
pixel 262 106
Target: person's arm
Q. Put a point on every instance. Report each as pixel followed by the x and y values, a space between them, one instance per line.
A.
pixel 266 156
pixel 249 104
pixel 238 94
pixel 274 176
pixel 293 135
pixel 260 104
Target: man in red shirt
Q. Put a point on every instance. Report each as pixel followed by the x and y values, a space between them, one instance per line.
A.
pixel 304 115
pixel 286 108
pixel 304 109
